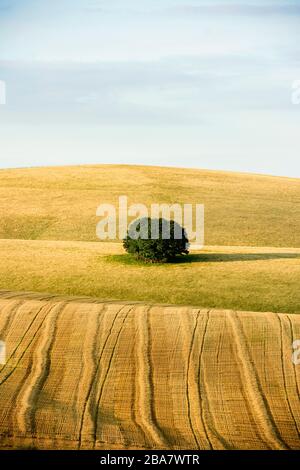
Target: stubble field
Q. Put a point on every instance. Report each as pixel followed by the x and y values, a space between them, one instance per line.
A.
pixel 90 375
pixel 195 354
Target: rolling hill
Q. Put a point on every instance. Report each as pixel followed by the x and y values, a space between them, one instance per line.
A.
pixel 131 366
pixel 59 203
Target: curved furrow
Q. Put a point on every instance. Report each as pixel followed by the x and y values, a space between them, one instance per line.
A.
pixel 287 385
pixel 7 312
pixel 216 440
pixel 20 372
pixel 144 391
pixel 27 398
pixel 106 373
pixel 26 348
pixel 89 357
pixel 54 414
pixel 165 356
pixel 87 424
pixel 201 390
pixel 193 340
pixel 295 367
pixel 253 426
pixel 21 375
pixel 185 330
pixel 118 407
pixel 253 388
pixel 134 409
pixel 114 375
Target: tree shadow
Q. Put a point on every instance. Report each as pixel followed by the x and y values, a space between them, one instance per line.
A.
pixel 129 260
pixel 232 257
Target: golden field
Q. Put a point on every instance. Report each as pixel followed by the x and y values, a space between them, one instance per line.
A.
pixel 252 235
pixel 105 352
pixel 85 374
pixel 60 203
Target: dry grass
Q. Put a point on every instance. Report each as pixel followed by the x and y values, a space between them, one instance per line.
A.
pixel 111 375
pixel 60 203
pixel 103 374
pixel 255 279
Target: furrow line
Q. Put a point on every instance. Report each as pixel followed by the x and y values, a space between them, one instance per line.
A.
pixel 210 426
pixel 251 382
pixel 93 379
pixel 294 365
pixel 10 316
pixel 194 411
pixel 40 370
pixel 199 383
pixel 24 351
pixel 107 373
pixel 285 378
pixel 145 394
pixel 22 338
pixel 89 356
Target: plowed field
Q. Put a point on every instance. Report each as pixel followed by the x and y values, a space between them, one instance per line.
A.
pixel 86 374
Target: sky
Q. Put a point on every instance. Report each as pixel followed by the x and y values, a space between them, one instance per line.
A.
pixel 189 83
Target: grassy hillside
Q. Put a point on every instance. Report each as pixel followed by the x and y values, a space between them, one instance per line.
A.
pixel 86 373
pixel 60 203
pixel 253 279
pixel 91 375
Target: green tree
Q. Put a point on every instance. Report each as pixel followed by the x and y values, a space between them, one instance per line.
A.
pixel 156 240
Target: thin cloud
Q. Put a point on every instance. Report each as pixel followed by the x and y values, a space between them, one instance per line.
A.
pixel 235 9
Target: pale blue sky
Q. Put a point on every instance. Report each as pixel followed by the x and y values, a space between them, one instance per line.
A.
pixel 193 83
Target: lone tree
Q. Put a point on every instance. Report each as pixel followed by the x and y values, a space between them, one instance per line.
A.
pixel 156 240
